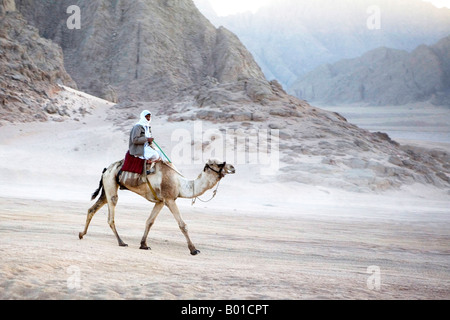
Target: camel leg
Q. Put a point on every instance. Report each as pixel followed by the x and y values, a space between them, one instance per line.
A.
pixel 183 227
pixel 91 212
pixel 150 221
pixel 112 202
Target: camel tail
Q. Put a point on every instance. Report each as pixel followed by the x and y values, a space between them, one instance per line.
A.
pixel 100 187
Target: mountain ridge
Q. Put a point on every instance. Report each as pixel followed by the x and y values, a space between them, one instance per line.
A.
pixel 383 76
pixel 290 38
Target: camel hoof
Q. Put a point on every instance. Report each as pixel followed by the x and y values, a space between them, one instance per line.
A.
pixel 123 245
pixel 80 235
pixel 195 252
pixel 145 248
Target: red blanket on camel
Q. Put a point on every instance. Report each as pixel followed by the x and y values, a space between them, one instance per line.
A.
pixel 133 164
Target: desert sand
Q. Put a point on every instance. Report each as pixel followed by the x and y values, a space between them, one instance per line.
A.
pixel 257 240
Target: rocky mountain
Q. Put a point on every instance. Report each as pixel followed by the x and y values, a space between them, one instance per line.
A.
pixel 383 76
pixel 290 38
pixel 31 68
pixel 141 50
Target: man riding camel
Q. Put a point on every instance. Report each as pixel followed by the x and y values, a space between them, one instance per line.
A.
pixel 141 140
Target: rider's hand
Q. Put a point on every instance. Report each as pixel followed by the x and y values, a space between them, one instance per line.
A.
pixel 150 140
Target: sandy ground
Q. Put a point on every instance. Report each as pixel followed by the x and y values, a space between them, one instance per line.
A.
pixel 258 241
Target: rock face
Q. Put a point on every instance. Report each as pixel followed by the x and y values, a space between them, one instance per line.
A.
pixel 30 68
pixel 7 6
pixel 383 77
pixel 141 50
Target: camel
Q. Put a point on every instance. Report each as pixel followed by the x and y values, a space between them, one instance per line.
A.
pixel 163 188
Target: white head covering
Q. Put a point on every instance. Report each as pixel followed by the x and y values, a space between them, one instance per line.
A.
pixel 146 124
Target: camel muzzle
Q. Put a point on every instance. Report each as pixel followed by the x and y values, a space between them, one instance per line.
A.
pixel 230 170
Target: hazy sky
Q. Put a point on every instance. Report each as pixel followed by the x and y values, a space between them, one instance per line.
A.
pixel 226 7
pixel 440 3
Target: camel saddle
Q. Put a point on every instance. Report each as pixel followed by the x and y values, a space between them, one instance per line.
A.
pixel 133 172
pixel 133 164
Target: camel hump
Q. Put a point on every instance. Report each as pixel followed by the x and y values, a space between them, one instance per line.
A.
pixel 171 166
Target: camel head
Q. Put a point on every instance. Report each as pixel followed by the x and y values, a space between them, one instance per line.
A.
pixel 219 167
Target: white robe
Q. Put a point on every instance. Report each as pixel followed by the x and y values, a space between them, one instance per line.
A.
pixel 149 152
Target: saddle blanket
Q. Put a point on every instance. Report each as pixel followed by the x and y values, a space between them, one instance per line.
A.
pixel 133 164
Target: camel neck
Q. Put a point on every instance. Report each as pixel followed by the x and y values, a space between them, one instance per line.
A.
pixel 195 188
